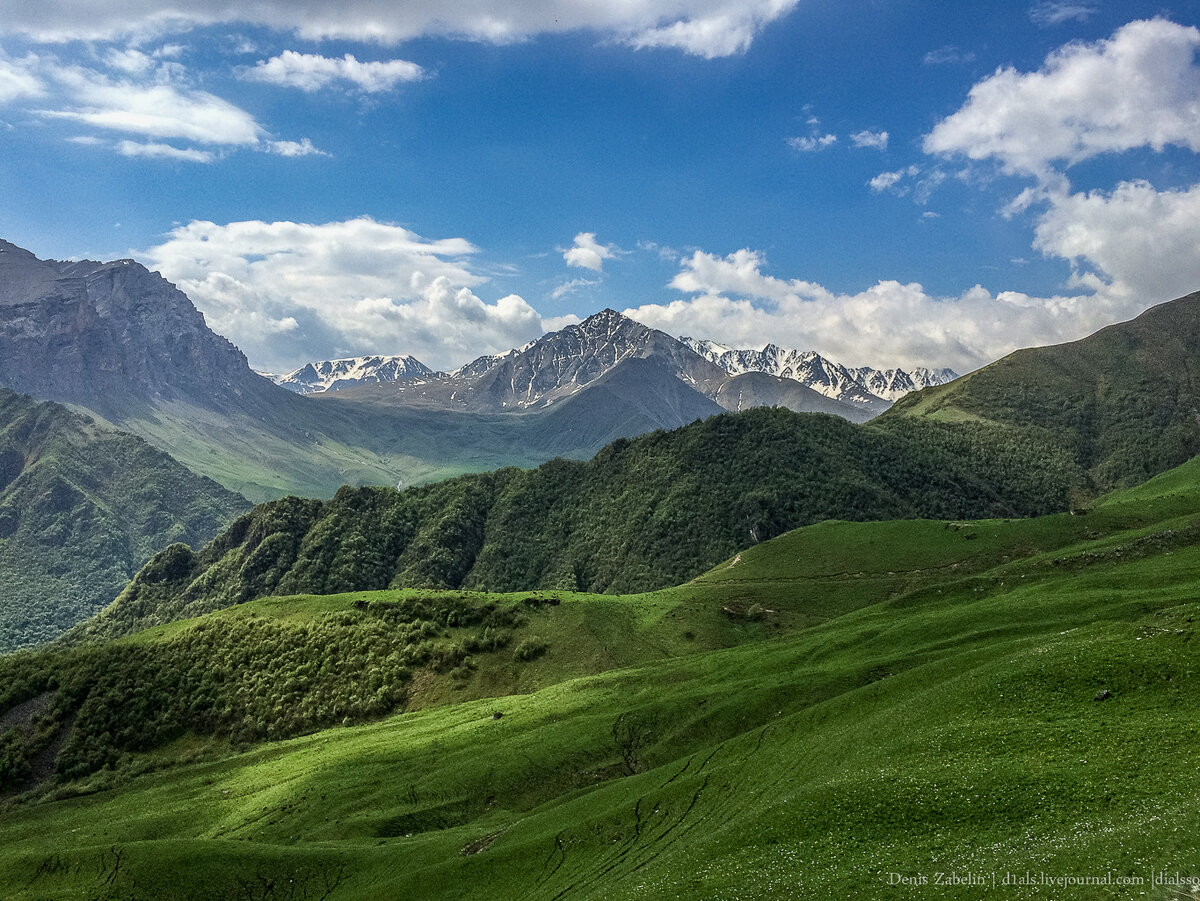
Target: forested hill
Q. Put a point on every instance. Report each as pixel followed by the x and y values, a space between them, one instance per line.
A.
pixel 644 513
pixel 82 507
pixel 1125 401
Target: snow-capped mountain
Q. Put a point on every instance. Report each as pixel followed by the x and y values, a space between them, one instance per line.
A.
pixel 893 384
pixel 608 355
pixel 333 375
pixel 560 363
pixel 861 386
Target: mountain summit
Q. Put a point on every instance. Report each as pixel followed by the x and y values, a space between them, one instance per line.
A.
pixel 106 334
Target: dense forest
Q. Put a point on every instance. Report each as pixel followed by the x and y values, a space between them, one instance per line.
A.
pixel 644 513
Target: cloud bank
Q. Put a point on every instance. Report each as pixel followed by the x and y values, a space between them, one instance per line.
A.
pixel 706 28
pixel 289 292
pixel 888 324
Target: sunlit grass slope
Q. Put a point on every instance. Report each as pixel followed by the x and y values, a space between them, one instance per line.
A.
pixel 895 698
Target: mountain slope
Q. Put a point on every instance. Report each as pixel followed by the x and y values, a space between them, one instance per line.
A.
pixel 82 507
pixel 1123 402
pixel 999 698
pixel 643 513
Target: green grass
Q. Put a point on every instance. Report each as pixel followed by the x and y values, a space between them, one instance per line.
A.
pixel 918 701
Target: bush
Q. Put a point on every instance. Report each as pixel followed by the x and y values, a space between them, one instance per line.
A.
pixel 530 649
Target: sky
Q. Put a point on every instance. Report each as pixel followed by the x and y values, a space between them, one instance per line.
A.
pixel 887 182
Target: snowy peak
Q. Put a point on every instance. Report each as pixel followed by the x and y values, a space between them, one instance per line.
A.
pixel 893 384
pixel 862 387
pixel 560 363
pixel 333 375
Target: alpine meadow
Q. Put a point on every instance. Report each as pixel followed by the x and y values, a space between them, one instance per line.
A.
pixel 566 452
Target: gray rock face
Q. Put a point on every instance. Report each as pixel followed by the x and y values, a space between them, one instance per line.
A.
pixel 561 363
pixel 104 334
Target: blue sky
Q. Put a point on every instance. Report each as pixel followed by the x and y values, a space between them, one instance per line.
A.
pixel 890 183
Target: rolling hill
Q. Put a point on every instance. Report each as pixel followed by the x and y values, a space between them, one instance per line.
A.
pixel 841 711
pixel 1124 402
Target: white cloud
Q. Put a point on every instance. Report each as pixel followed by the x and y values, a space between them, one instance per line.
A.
pixel 287 292
pixel 877 140
pixel 154 110
pixel 311 72
pixel 587 253
pixel 130 60
pixel 707 28
pixel 164 151
pixel 887 324
pixel 810 145
pixel 728 30
pixel 1055 12
pixel 293 148
pixel 17 80
pixel 561 291
pixel 947 55
pixel 891 181
pixel 153 100
pixel 1145 243
pixel 1137 89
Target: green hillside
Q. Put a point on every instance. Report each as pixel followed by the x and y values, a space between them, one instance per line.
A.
pixel 820 716
pixel 644 513
pixel 82 507
pixel 1124 402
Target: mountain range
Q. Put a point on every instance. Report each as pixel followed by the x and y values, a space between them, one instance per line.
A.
pixel 863 386
pixel 605 347
pixel 132 350
pixel 560 364
pixel 332 375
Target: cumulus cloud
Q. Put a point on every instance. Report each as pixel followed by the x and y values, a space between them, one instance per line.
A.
pixel 888 324
pixel 293 148
pixel 812 144
pixel 900 182
pixel 288 292
pixel 1137 89
pixel 312 72
pixel 587 253
pixel 1144 242
pixel 707 28
pixel 877 140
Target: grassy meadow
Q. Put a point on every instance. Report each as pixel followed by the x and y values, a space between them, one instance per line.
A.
pixel 848 710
